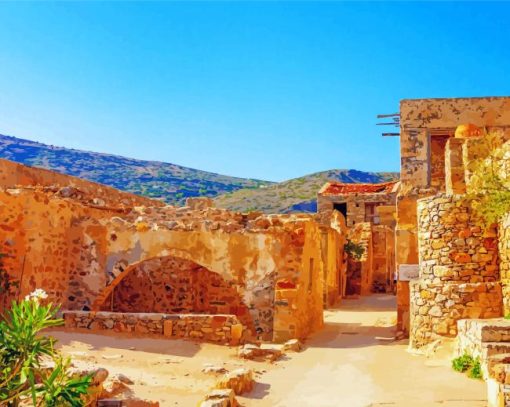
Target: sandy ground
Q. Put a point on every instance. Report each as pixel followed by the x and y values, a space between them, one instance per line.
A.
pixel 347 364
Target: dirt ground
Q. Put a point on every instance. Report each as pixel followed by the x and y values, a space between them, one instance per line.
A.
pixel 350 363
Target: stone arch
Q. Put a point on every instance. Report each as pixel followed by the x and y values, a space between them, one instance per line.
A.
pixel 173 284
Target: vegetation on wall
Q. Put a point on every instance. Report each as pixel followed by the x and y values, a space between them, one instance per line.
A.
pixel 490 181
pixel 354 250
pixel 31 371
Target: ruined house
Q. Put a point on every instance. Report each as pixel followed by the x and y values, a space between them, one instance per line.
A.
pixel 368 210
pixel 116 261
pixel 459 266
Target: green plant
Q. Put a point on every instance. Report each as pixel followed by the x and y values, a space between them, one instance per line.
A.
pixel 475 372
pixel 466 363
pixel 490 181
pixel 462 363
pixel 354 250
pixel 23 353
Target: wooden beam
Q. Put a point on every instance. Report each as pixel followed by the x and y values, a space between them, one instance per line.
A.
pixel 391 134
pixel 382 116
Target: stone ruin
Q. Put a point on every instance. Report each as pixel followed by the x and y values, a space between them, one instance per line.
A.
pixel 369 213
pixel 120 262
pixel 461 287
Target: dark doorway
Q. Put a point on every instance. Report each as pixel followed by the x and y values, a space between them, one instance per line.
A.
pixel 342 208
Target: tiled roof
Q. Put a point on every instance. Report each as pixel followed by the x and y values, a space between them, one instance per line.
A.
pixel 339 188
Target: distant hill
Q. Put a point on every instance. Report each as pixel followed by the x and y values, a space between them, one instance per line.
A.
pixel 298 194
pixel 169 182
pixel 173 183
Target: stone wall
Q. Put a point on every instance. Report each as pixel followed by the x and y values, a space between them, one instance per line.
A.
pixel 459 273
pixel 79 251
pixel 504 265
pixel 225 329
pixel 383 258
pixel 422 121
pixel 171 285
pixel 356 204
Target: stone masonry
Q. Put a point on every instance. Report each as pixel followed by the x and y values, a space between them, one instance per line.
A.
pixel 459 273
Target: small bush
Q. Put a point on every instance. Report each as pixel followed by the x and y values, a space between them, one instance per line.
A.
pixel 466 363
pixel 354 251
pixel 475 372
pixel 462 363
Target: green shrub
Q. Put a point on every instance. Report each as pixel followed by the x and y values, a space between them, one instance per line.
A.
pixel 22 352
pixel 462 363
pixel 490 182
pixel 475 372
pixel 466 363
pixel 354 250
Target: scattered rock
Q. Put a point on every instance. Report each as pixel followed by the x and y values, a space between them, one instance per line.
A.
pixel 268 352
pixel 239 380
pixel 293 345
pixel 112 357
pixel 214 369
pixel 123 378
pixel 220 398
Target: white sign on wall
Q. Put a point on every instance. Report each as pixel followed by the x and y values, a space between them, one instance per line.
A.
pixel 407 272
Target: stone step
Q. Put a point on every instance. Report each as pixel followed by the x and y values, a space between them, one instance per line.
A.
pixel 492 349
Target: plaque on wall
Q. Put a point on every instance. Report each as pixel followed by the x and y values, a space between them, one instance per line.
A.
pixel 407 272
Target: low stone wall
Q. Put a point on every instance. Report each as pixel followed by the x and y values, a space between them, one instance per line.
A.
pixel 474 333
pixel 436 308
pixel 504 265
pixel 208 328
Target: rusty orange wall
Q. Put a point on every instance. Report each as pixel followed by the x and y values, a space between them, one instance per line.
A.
pixel 171 285
pixel 13 174
pixel 44 242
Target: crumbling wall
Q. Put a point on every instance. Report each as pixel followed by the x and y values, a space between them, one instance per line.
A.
pixel 355 204
pixel 224 329
pixel 459 273
pixel 383 255
pixel 171 285
pixel 421 120
pixel 504 266
pixel 17 175
pixel 360 271
pixel 80 249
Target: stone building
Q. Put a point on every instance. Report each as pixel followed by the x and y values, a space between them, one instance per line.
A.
pixel 357 202
pixel 368 210
pixel 128 263
pixel 459 274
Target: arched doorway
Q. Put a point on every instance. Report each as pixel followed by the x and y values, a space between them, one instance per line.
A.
pixel 174 285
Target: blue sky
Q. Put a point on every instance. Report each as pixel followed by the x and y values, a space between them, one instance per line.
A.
pixel 269 90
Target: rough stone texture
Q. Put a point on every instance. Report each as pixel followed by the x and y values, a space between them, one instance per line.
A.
pixel 207 328
pixel 504 265
pixel 239 380
pixel 220 398
pixel 424 126
pixel 475 337
pixel 459 272
pixel 79 251
pixel 357 201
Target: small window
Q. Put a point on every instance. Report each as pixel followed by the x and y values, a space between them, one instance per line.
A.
pixel 310 275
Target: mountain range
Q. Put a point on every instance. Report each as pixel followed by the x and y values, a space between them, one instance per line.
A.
pixel 173 183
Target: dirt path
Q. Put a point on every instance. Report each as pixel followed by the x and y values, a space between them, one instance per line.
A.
pixel 347 364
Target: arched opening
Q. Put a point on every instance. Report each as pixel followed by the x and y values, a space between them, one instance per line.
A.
pixel 174 285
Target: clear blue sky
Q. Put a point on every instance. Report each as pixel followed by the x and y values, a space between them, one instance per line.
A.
pixel 266 90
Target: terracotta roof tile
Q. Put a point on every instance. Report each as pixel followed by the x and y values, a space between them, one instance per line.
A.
pixel 338 188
